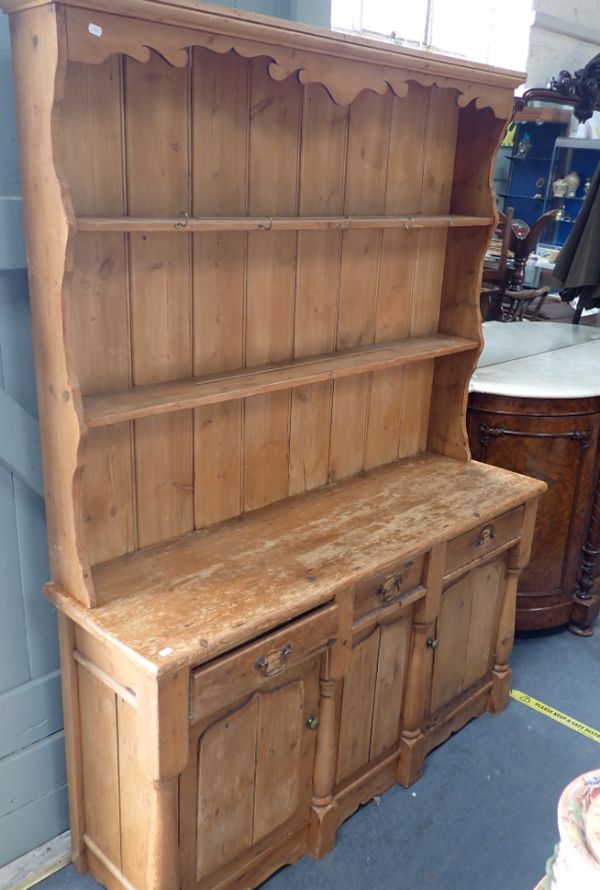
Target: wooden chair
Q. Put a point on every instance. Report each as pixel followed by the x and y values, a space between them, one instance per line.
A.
pixel 495 280
pixel 508 299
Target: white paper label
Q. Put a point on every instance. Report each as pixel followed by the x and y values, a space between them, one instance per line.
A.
pixel 95 30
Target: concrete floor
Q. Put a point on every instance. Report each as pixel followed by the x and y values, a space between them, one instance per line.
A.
pixel 484 813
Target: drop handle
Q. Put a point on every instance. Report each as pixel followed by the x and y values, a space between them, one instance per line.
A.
pixel 312 722
pixel 274 664
pixel 431 643
pixel 391 589
pixel 488 533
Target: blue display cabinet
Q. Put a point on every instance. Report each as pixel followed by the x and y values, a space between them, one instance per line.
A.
pixel 580 156
pixel 530 161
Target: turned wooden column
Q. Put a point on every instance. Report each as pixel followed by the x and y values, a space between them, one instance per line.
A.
pixel 420 666
pixel 585 605
pixel 518 558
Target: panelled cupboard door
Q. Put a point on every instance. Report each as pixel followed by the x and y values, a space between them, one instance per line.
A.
pixel 466 630
pixel 373 693
pixel 248 784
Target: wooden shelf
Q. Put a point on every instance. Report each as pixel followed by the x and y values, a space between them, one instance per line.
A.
pixel 178 395
pixel 185 223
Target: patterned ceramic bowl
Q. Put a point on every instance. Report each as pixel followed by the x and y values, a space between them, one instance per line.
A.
pixel 576 867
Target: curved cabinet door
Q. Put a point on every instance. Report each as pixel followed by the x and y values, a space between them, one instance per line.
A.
pixel 555 440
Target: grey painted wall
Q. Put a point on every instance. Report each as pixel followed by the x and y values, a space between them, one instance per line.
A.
pixel 33 806
pixel 33 802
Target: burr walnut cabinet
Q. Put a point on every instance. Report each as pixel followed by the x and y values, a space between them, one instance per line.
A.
pixel 254 255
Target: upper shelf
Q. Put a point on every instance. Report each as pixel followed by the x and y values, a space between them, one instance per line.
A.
pixel 178 395
pixel 188 223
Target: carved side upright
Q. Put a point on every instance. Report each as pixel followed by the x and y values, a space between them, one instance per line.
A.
pixel 586 603
pixel 39 56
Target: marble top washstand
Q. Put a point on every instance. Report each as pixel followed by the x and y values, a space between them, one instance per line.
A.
pixel 538 360
pixel 534 407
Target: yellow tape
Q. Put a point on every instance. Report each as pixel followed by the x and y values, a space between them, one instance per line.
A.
pixel 570 722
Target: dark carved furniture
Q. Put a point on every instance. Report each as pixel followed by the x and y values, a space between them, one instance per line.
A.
pixel 581 90
pixel 555 439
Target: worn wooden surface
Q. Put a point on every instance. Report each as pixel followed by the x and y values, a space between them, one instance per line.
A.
pixel 214 589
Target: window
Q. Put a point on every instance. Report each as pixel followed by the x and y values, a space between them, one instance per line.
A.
pixel 492 31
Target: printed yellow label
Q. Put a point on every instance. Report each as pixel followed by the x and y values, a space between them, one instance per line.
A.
pixel 539 706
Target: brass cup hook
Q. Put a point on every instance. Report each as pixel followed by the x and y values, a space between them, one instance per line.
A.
pixel 185 224
pixel 264 227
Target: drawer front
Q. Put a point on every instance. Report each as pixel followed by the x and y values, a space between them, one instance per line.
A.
pixel 389 586
pixel 231 677
pixel 484 539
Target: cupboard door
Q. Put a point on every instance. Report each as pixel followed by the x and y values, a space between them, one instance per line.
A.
pixel 252 776
pixel 372 695
pixel 466 631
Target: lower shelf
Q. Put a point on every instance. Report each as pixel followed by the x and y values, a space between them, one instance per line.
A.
pixel 177 395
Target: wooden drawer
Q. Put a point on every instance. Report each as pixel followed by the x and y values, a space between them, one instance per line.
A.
pixel 484 539
pixel 231 677
pixel 389 586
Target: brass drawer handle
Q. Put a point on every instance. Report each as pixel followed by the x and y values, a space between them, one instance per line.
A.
pixel 312 722
pixel 488 533
pixel 279 659
pixel 390 589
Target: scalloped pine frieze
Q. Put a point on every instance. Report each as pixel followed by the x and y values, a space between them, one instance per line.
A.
pixel 94 36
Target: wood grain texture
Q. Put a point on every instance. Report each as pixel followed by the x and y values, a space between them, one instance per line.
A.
pixel 397 287
pixel 275 115
pixel 100 764
pixel 160 292
pixel 322 173
pixel 226 778
pixel 440 135
pixel 97 308
pixel 356 718
pixel 177 395
pixel 332 538
pixel 389 687
pixel 134 799
pixel 283 781
pixel 345 65
pixel 366 173
pixel 186 224
pixel 459 314
pixel 39 88
pixel 220 120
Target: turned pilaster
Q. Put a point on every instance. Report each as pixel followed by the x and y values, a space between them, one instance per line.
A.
pixel 420 666
pixel 517 559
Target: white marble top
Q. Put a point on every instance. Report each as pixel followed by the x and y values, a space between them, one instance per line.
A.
pixel 538 360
